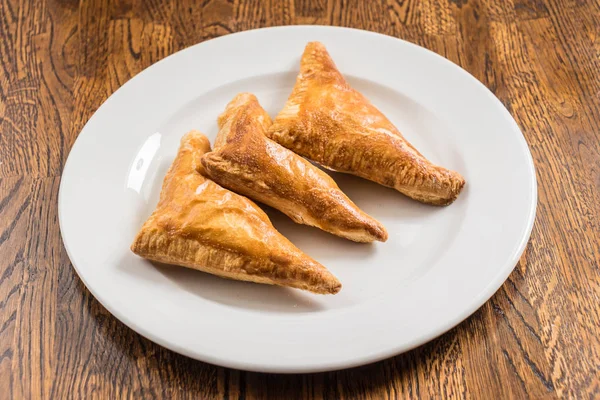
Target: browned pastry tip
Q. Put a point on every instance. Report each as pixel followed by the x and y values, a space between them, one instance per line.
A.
pixel 327 121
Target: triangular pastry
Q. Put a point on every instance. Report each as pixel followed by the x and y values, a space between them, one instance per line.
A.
pixel 327 121
pixel 247 162
pixel 200 225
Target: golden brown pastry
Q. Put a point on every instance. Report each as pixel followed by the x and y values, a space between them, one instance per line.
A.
pixel 247 162
pixel 200 225
pixel 328 122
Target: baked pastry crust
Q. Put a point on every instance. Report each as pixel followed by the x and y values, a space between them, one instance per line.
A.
pixel 247 162
pixel 329 122
pixel 200 225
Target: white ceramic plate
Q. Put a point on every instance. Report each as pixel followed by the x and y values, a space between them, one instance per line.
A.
pixel 438 266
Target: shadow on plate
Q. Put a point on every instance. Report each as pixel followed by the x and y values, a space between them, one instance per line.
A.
pixel 238 294
pixel 318 244
pixel 380 201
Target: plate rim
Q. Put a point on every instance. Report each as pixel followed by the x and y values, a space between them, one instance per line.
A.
pixel 483 297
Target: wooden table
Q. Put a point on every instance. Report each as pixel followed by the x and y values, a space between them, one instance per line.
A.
pixel 537 337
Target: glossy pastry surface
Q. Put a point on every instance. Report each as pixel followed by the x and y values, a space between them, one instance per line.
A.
pixel 329 122
pixel 247 162
pixel 201 225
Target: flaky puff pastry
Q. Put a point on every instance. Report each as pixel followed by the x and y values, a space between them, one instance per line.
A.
pixel 200 225
pixel 328 122
pixel 247 162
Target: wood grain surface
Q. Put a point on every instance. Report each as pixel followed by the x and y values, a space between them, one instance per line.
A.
pixel 538 337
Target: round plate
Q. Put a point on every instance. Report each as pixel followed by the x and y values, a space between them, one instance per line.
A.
pixel 438 266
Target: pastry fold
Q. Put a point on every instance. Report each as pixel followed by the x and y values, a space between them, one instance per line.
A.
pixel 201 225
pixel 327 121
pixel 247 162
